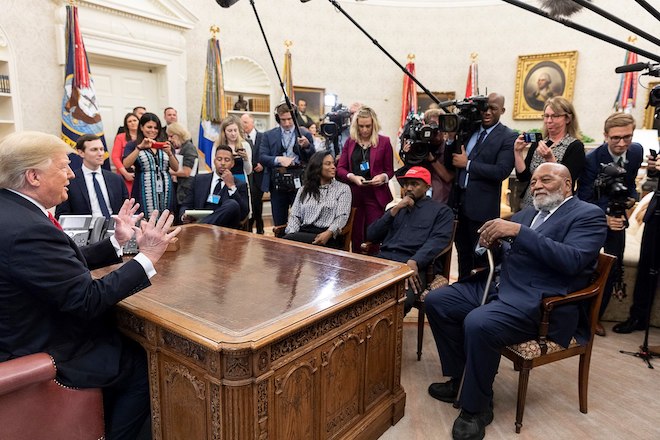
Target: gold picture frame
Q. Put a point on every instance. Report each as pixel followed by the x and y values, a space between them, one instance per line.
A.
pixel 314 97
pixel 540 77
pixel 649 112
pixel 423 101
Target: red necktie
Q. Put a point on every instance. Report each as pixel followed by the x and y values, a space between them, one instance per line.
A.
pixel 55 222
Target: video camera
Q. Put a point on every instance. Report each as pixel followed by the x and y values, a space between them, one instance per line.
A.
pixel 334 122
pixel 610 183
pixel 420 136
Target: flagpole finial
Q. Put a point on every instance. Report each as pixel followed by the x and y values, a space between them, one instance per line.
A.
pixel 411 57
pixel 632 39
pixel 72 2
pixel 474 56
pixel 288 44
pixel 215 30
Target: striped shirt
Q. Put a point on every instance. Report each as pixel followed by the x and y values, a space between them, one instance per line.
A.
pixel 331 211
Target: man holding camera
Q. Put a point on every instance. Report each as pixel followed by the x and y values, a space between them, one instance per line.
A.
pixel 481 166
pixel 618 150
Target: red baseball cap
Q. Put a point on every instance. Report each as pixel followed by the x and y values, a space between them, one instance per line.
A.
pixel 417 173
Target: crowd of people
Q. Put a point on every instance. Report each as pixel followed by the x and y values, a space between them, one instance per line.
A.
pixel 548 248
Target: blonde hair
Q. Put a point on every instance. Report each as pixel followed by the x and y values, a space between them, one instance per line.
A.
pixel 26 150
pixel 365 112
pixel 179 130
pixel 619 120
pixel 561 105
pixel 222 138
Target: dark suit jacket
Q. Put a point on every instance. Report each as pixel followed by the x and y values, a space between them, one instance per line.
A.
pixel 555 259
pixel 201 188
pixel 271 147
pixel 634 156
pixel 257 176
pixel 51 303
pixel 380 161
pixel 78 201
pixel 490 163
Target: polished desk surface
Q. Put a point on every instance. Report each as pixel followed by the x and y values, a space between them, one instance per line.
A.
pixel 227 288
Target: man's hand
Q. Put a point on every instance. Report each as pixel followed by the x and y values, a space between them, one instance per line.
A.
pixel 460 160
pixel 652 162
pixel 414 282
pixel 153 236
pixel 228 178
pixel 258 168
pixel 405 202
pixel 322 238
pixel 125 223
pixel 616 223
pixel 285 161
pixel 303 142
pixel 495 229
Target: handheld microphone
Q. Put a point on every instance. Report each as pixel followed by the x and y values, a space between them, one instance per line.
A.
pixel 561 7
pixel 226 3
pixel 635 67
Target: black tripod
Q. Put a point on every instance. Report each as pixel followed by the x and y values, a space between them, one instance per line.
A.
pixel 650 244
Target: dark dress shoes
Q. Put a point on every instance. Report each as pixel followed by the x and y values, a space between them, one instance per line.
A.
pixel 468 426
pixel 629 325
pixel 446 391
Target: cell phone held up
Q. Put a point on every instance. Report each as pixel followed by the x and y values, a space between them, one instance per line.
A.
pixel 158 145
pixel 533 138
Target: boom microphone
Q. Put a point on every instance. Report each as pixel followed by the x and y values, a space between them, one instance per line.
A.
pixel 635 67
pixel 560 7
pixel 226 3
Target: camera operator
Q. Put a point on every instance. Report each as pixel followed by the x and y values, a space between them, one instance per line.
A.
pixel 613 187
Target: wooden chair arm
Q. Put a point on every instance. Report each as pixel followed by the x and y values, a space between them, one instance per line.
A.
pixel 367 247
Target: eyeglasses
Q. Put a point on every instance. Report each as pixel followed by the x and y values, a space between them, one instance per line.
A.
pixel 616 139
pixel 553 117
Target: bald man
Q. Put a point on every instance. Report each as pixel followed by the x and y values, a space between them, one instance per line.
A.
pixel 546 250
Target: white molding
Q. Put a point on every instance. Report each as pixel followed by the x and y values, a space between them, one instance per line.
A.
pixel 168 12
pixel 426 3
pixel 243 74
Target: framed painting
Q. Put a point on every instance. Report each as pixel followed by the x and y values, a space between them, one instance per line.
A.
pixel 424 102
pixel 649 113
pixel 539 78
pixel 313 97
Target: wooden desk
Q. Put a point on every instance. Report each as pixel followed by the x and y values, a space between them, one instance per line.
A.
pixel 252 337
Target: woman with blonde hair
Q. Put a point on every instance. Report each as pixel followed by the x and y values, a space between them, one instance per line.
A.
pixel 560 143
pixel 366 164
pixel 181 140
pixel 231 134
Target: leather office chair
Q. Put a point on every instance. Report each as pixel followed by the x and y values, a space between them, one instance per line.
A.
pixel 541 351
pixel 33 405
pixel 346 232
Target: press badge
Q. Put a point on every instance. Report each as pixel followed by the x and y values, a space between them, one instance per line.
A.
pixel 159 186
pixel 364 166
pixel 213 198
pixel 296 182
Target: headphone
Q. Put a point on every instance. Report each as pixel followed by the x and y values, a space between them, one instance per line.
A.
pixel 284 109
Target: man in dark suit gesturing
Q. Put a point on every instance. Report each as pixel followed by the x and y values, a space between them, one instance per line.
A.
pixel 484 162
pixel 218 192
pixel 549 251
pixel 50 301
pixel 94 190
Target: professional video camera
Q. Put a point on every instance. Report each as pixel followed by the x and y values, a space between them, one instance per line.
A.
pixel 610 183
pixel 421 137
pixel 334 122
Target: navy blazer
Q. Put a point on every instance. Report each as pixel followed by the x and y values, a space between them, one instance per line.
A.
pixel 490 163
pixel 271 147
pixel 50 301
pixel 555 259
pixel 78 201
pixel 201 188
pixel 634 157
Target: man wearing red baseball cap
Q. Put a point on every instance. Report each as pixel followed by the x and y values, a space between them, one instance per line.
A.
pixel 415 230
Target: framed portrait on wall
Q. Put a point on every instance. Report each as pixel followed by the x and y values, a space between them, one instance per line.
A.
pixel 313 97
pixel 539 78
pixel 423 101
pixel 649 113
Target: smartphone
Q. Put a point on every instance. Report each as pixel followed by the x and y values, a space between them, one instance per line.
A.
pixel 653 153
pixel 367 182
pixel 158 145
pixel 532 137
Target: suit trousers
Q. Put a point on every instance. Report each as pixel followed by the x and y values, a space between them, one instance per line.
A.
pixel 470 336
pixel 466 240
pixel 615 244
pixel 256 198
pixel 649 258
pixel 280 202
pixel 228 214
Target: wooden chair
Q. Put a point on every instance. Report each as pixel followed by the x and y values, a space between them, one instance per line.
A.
pixel 346 232
pixel 33 405
pixel 541 350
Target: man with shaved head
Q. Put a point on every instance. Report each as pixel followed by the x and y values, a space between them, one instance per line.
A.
pixel 546 250
pixel 481 165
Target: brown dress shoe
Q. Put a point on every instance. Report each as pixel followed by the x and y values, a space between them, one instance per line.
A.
pixel 600 330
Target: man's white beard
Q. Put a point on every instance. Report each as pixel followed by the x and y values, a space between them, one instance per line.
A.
pixel 548 202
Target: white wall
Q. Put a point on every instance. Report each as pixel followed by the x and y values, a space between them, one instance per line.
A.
pixel 331 53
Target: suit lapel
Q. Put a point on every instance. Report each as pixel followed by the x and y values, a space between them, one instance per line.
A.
pixel 489 137
pixel 558 214
pixel 82 187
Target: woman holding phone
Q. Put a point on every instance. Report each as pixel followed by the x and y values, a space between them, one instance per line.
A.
pixel 231 134
pixel 152 158
pixel 366 164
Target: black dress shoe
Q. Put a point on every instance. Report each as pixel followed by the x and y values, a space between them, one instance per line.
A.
pixel 469 426
pixel 445 391
pixel 629 325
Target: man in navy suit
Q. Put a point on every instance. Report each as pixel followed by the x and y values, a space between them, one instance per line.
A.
pixel 218 192
pixel 547 251
pixel 484 162
pixel 257 176
pixel 101 198
pixel 620 150
pixel 281 152
pixel 50 301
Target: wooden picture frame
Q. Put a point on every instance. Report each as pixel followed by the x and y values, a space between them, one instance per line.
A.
pixel 540 77
pixel 423 101
pixel 314 97
pixel 649 112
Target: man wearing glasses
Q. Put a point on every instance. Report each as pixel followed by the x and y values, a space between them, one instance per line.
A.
pixel 618 149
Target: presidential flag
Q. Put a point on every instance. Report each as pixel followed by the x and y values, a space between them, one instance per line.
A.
pixel 626 97
pixel 472 85
pixel 80 110
pixel 214 108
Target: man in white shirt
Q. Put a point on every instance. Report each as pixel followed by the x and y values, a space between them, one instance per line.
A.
pixel 93 190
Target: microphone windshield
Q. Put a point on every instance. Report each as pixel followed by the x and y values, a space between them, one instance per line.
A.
pixel 226 3
pixel 558 8
pixel 634 67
